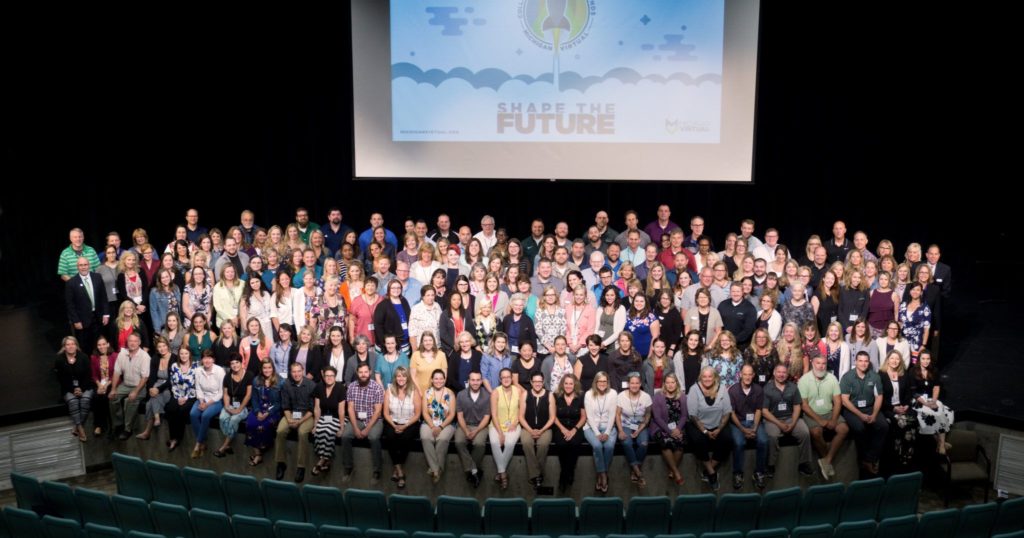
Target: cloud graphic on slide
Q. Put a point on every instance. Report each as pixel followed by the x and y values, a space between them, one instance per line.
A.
pixel 674 42
pixel 496 78
pixel 443 17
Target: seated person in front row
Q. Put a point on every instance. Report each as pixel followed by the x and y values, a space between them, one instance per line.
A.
pixel 822 404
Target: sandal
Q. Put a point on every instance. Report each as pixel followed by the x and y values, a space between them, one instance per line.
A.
pixel 640 482
pixel 255 460
pixel 316 470
pixel 400 481
pixel 219 453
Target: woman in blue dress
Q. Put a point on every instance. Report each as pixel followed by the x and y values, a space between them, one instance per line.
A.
pixel 643 324
pixel 261 425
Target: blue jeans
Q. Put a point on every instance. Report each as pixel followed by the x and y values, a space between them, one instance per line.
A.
pixel 603 452
pixel 739 443
pixel 201 419
pixel 635 449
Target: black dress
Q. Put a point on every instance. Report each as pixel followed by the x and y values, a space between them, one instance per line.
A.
pixel 568 415
pixel 590 369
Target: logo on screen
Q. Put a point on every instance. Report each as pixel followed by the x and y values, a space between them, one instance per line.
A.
pixel 556 24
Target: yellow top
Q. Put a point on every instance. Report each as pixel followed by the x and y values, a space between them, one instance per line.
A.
pixel 508 408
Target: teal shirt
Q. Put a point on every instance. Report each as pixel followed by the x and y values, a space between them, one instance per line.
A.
pixel 386 369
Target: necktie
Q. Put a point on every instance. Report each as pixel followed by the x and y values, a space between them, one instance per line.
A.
pixel 87 281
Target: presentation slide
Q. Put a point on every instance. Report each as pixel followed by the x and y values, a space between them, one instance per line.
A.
pixel 617 90
pixel 558 71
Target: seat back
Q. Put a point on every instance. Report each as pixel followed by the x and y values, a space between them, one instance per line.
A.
pixel 780 509
pixel 168 485
pixel 553 517
pixel 648 515
pixel 132 477
pixel 694 514
pixel 601 515
pixel 95 507
pixel 283 501
pixel 411 513
pixel 204 489
pixel 324 506
pixel 458 515
pixel 899 498
pixel 367 509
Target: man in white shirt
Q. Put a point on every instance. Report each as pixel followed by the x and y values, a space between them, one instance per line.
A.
pixel 766 251
pixel 131 371
pixel 487 236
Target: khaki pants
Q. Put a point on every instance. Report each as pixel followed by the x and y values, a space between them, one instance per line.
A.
pixel 436 450
pixel 800 432
pixel 471 461
pixel 536 452
pixel 122 409
pixel 302 455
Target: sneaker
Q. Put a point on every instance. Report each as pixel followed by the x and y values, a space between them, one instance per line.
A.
pixel 831 471
pixel 805 469
pixel 824 468
pixel 713 481
pixel 771 471
pixel 737 481
pixel 759 480
pixel 704 476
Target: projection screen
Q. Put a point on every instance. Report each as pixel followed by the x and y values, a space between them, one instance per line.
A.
pixel 555 89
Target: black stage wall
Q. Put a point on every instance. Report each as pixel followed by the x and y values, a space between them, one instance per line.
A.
pixel 882 115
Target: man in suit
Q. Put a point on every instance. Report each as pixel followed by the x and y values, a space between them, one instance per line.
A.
pixel 941 273
pixel 86 302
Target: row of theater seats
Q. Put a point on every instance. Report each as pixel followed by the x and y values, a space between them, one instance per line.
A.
pixel 160 502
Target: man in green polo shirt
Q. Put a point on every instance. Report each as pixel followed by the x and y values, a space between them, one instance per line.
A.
pixel 67 267
pixel 821 412
pixel 862 400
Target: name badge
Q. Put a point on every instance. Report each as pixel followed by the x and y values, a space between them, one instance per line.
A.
pixel 819 402
pixel 853 317
pixel 833 318
pixel 74 382
pixel 515 349
pixel 235 404
pixel 361 415
pixel 862 403
pixel 761 378
pixel 625 384
pixel 296 415
pixel 405 326
pixel 750 417
pixel 939 280
pixel 783 406
pixel 633 427
pixel 437 422
pixel 672 426
pixel 369 327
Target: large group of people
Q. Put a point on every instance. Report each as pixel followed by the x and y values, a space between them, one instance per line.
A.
pixel 633 338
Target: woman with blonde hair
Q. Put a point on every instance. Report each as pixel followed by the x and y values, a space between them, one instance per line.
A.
pixel 293 239
pixel 402 411
pixel 789 350
pixel 126 323
pixel 227 294
pixel 726 359
pixel 600 403
pixel 709 410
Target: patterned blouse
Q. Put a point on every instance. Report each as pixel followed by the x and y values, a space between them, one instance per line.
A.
pixel 549 326
pixel 439 403
pixel 199 301
pixel 183 383
pixel 728 370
